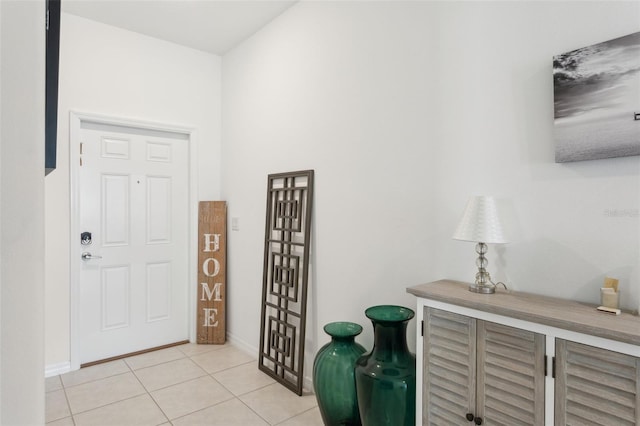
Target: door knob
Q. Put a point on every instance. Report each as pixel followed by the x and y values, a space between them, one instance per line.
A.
pixel 88 256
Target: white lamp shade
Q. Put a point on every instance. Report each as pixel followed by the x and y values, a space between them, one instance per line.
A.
pixel 480 222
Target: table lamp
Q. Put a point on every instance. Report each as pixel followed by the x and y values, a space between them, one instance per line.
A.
pixel 480 223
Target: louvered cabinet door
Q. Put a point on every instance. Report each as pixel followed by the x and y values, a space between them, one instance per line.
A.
pixel 596 387
pixel 510 376
pixel 449 380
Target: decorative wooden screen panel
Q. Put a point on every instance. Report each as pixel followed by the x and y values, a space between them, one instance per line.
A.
pixel 595 386
pixel 285 278
pixel 510 376
pixel 449 368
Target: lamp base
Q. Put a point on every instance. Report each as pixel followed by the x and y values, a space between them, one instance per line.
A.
pixel 483 282
pixel 484 289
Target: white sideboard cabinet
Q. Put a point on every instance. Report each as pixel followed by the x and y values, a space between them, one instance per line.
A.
pixel 513 358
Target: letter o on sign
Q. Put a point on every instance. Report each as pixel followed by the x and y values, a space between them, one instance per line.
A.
pixel 206 267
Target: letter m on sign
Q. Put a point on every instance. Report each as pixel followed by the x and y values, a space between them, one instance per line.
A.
pixel 212 246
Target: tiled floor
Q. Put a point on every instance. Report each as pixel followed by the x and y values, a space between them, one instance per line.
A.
pixel 184 385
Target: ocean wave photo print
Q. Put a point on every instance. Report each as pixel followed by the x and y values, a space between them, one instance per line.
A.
pixel 597 100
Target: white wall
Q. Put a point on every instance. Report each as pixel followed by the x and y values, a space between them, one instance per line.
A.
pixel 404 110
pixel 564 239
pixel 22 75
pixel 109 71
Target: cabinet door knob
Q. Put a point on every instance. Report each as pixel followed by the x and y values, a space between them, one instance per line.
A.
pixel 478 420
pixel 470 417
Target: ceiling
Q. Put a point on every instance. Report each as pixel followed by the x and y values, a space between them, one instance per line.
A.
pixel 214 26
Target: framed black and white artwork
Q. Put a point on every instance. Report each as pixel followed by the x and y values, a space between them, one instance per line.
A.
pixel 597 100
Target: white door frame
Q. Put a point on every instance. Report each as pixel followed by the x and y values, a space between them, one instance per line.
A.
pixel 76 119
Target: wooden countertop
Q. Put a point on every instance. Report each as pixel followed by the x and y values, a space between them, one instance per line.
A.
pixel 560 313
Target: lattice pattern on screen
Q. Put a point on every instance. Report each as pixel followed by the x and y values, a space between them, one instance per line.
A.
pixel 285 278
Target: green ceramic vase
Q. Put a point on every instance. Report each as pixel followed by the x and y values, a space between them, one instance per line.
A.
pixel 333 375
pixel 386 377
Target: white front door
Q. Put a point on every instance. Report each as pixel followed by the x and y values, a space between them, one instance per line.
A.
pixel 133 201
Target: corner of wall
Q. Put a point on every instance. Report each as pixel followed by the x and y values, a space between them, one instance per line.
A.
pixel 22 83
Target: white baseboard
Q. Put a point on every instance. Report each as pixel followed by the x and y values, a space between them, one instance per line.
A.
pixel 252 350
pixel 242 345
pixel 56 369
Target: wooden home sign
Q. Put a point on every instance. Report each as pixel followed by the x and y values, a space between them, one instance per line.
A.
pixel 212 245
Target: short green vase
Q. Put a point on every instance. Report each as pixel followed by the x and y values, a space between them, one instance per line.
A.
pixel 386 376
pixel 333 375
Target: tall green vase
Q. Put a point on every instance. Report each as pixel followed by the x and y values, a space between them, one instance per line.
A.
pixel 333 375
pixel 386 376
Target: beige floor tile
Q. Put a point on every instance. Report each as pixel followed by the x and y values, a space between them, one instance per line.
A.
pixel 96 372
pixel 67 421
pixel 101 392
pixel 244 378
pixel 170 373
pixel 275 403
pixel 140 410
pixel 188 397
pixel 191 349
pixel 56 406
pixel 52 383
pixel 308 418
pixel 229 413
pixel 222 359
pixel 154 358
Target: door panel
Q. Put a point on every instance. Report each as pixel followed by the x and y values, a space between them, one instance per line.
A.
pixel 510 375
pixel 158 291
pixel 159 210
pixel 133 198
pixel 449 380
pixel 115 286
pixel 595 386
pixel 115 210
